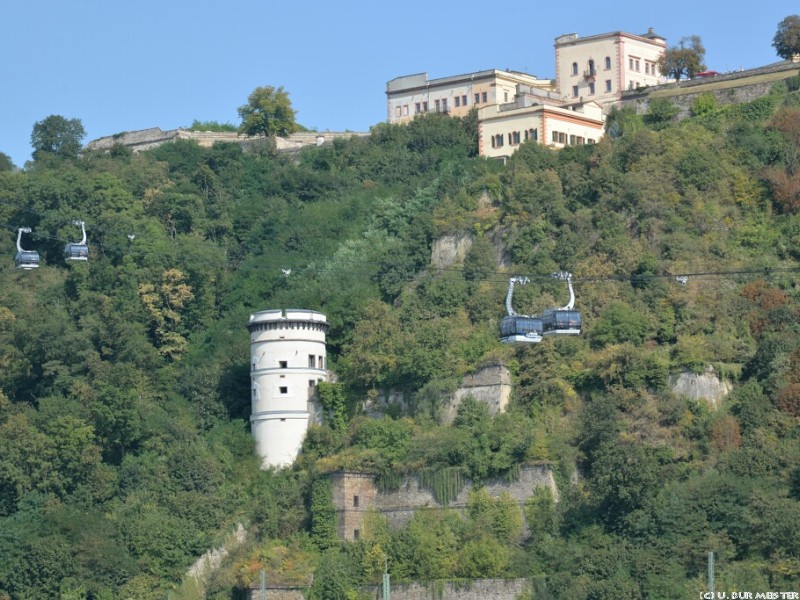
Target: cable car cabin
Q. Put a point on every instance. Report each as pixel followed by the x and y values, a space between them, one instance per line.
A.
pixel 77 250
pixel 521 330
pixel 74 251
pixel 561 322
pixel 26 259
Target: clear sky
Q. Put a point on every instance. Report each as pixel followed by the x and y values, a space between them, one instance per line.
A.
pixel 121 66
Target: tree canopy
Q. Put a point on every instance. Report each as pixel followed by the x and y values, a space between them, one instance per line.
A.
pixel 57 136
pixel 268 112
pixel 685 59
pixel 787 38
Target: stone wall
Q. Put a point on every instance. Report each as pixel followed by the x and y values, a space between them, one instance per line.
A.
pixel 145 139
pixel 476 589
pixel 355 495
pixel 729 88
pixel 490 385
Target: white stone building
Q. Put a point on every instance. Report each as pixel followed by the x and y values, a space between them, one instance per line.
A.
pixel 287 361
pixel 600 67
pixel 539 118
pixel 411 95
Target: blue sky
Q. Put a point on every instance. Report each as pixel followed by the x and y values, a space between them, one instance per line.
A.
pixel 121 66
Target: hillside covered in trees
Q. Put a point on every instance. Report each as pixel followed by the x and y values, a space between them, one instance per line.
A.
pixel 124 381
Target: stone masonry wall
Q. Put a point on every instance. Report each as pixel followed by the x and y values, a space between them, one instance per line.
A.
pixel 399 506
pixel 476 589
pixel 729 88
pixel 490 385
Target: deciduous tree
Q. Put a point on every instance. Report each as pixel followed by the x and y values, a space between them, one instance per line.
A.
pixel 787 38
pixel 268 112
pixel 57 136
pixel 685 59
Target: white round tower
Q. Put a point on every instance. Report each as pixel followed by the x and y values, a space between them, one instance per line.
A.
pixel 287 361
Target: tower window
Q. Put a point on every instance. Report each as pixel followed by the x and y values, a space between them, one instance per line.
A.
pixel 356 534
pixel 283 364
pixel 355 501
pixel 312 361
pixel 283 390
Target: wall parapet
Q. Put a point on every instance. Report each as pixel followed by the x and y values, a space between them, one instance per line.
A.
pixel 356 494
pixel 473 589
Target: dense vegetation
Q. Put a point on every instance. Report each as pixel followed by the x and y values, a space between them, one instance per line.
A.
pixel 124 383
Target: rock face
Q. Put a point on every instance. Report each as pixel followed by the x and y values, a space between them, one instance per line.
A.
pixel 450 249
pixel 706 386
pixel 490 385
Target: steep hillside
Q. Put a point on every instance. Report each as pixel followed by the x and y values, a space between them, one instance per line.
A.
pixel 124 381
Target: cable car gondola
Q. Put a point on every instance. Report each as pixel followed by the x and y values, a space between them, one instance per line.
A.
pixel 77 250
pixel 565 320
pixel 515 328
pixel 25 259
pixel 527 329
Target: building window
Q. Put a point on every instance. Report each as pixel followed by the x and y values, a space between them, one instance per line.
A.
pixel 356 534
pixel 458 101
pixel 464 100
pixel 608 85
pixel 515 139
pixel 555 136
pixel 608 62
pixel 591 88
pixel 437 103
pixel 572 140
pixel 405 110
pixel 283 390
pixel 574 68
pixel 283 364
pixel 630 64
pixel 444 105
pixel 637 65
pixel 417 107
pixel 355 501
pixel 534 134
pixel 312 361
pixel 320 362
pixel 591 67
pixel 397 111
pixel 574 91
pixel 425 106
pixel 484 97
pixel 311 383
pixel 505 96
pixel 477 98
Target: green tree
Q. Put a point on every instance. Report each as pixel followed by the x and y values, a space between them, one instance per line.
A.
pixel 268 112
pixel 5 162
pixel 685 59
pixel 787 38
pixel 57 136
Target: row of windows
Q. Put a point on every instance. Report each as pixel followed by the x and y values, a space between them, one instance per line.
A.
pixel 559 137
pixel 287 325
pixel 283 390
pixel 514 138
pixel 591 69
pixel 576 89
pixel 313 361
pixel 440 105
pixel 634 64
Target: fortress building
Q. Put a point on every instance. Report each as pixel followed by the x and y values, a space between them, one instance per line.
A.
pixel 287 361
